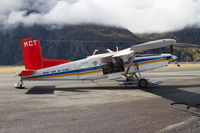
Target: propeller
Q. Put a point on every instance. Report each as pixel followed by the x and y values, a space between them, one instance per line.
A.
pixel 175 61
pixel 117 48
pixel 171 49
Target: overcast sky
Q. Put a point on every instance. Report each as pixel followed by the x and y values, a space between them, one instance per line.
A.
pixel 138 16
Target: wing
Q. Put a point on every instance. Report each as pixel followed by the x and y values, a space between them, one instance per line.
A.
pixel 146 46
pixel 143 47
pixel 123 52
pixel 153 45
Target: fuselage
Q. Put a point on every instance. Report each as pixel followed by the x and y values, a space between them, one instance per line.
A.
pixel 101 66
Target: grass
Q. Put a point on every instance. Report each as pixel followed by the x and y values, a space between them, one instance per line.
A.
pixel 187 65
pixel 10 69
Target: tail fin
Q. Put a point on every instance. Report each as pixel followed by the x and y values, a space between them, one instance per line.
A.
pixel 33 56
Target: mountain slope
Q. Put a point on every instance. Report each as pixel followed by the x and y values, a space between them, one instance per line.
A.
pixel 69 42
pixel 78 41
pixel 189 39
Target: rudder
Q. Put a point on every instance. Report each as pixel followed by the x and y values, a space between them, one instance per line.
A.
pixel 32 54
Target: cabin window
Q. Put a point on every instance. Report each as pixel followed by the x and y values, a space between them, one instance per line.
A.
pixel 112 65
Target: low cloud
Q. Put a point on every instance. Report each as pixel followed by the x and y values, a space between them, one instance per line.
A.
pixel 139 16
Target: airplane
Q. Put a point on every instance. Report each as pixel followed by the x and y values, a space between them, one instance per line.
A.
pixel 112 65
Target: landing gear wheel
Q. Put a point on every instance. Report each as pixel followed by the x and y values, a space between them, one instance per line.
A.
pixel 142 83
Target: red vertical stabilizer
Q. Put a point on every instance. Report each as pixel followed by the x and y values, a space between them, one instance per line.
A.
pixel 33 56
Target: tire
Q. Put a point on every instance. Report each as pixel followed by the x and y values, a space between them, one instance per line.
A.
pixel 143 83
pixel 18 86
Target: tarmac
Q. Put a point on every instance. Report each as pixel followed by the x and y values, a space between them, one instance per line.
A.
pixel 102 106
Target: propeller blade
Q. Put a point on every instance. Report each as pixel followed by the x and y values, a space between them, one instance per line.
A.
pixel 177 63
pixel 117 48
pixel 171 49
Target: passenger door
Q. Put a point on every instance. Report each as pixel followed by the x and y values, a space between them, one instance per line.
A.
pixel 112 65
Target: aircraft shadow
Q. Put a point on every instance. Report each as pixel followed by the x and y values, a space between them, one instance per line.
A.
pixel 41 90
pixel 50 90
pixel 170 92
pixel 177 95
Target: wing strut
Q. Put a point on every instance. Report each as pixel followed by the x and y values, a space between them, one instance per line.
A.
pixel 130 63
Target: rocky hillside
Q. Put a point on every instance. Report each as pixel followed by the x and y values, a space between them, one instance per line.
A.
pixel 188 48
pixel 69 42
pixel 79 41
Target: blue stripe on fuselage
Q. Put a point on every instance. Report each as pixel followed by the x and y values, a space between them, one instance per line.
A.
pixel 67 72
pixel 147 59
pixel 93 68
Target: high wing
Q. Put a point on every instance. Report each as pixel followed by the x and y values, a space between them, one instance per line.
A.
pixel 153 45
pixel 143 47
pixel 146 46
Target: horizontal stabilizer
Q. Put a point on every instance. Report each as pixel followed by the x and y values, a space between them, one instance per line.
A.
pixel 52 62
pixel 26 73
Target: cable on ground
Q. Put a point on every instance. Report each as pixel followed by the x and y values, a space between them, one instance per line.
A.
pixel 187 108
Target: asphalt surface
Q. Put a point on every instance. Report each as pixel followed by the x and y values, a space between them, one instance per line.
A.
pixel 103 106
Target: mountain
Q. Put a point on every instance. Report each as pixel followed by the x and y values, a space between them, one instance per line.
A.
pixel 68 42
pixel 188 38
pixel 190 35
pixel 73 42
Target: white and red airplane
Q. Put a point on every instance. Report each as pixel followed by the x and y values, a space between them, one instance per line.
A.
pixel 112 65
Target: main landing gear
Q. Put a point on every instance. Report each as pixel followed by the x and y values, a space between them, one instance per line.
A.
pixel 142 83
pixel 19 85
